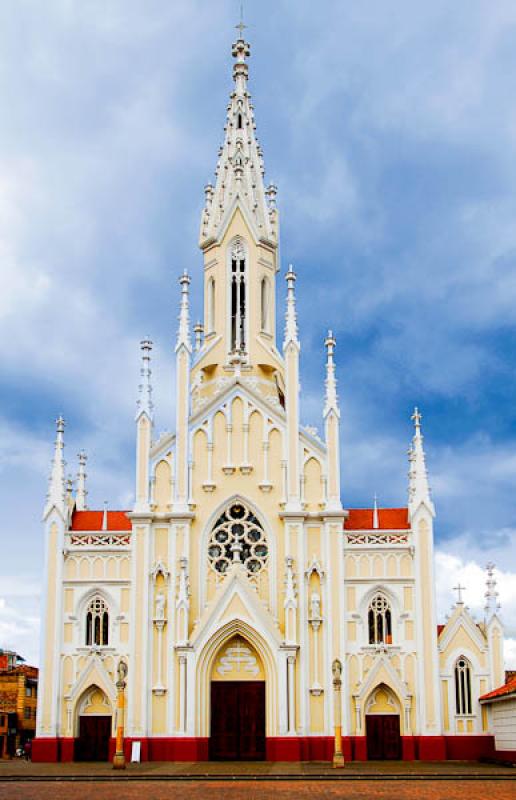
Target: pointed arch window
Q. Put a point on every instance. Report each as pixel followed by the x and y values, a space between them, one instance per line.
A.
pixel 264 304
pixel 238 296
pixel 97 623
pixel 210 327
pixel 462 686
pixel 239 120
pixel 379 620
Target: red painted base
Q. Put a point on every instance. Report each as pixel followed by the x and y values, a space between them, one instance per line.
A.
pixel 45 749
pixel 287 748
pixel 505 755
pixel 469 747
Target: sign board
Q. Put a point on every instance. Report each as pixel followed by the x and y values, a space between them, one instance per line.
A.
pixel 135 752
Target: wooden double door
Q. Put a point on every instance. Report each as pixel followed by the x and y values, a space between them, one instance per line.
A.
pixel 383 737
pixel 93 741
pixel 237 721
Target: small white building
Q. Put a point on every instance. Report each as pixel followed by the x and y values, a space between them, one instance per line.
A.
pixel 500 707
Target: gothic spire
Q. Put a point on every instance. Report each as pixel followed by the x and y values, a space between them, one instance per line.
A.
pixel 291 333
pixel 145 405
pixel 331 399
pixel 419 490
pixel 56 484
pixel 240 170
pixel 183 333
pixel 492 605
pixel 82 493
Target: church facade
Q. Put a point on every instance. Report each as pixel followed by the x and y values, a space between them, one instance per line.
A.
pixel 238 577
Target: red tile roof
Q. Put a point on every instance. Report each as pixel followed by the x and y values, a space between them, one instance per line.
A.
pixel 389 519
pixel 507 688
pixel 92 521
pixel 22 669
pixel 440 629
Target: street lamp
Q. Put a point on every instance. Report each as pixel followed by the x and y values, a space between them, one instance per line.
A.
pixel 338 757
pixel 119 758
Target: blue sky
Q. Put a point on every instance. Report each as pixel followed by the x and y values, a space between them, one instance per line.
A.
pixel 390 129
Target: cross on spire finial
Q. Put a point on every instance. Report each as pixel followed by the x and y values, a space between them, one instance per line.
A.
pixel 459 589
pixel 241 27
pixel 416 417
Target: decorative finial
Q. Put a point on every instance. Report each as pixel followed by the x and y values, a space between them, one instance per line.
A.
pixel 56 484
pixel 145 404
pixel 105 516
pixel 492 605
pixel 376 522
pixel 291 334
pixel 419 490
pixel 80 498
pixel 416 418
pixel 183 333
pixel 459 589
pixel 331 399
pixel 198 331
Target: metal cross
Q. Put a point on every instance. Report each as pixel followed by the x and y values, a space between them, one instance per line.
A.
pixel 241 27
pixel 459 589
pixel 416 416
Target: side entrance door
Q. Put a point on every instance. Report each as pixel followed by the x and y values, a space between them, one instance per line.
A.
pixel 93 741
pixel 237 721
pixel 383 737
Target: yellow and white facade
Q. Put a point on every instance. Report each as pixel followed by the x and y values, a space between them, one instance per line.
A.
pixel 238 563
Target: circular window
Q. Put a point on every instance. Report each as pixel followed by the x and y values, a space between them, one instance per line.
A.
pixel 238 537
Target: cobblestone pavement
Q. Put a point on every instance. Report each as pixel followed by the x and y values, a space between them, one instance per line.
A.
pixel 426 789
pixel 162 769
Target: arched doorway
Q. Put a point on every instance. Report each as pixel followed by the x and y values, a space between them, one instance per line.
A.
pixel 94 724
pixel 382 716
pixel 237 731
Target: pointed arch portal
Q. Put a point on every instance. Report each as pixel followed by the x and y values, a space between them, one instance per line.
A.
pixel 237 694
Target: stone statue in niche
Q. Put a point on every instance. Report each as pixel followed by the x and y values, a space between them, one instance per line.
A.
pixel 315 606
pixel 159 613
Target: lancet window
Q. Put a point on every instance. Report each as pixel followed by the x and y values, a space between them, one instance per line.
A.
pixel 211 306
pixel 379 620
pixel 97 623
pixel 238 537
pixel 264 296
pixel 238 296
pixel 463 686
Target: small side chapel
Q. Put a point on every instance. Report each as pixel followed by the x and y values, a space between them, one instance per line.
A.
pixel 238 577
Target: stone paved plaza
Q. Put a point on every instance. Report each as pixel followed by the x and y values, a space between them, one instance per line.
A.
pixel 161 781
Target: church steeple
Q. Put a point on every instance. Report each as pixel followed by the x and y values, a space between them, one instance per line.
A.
pixel 419 489
pixel 240 171
pixel 239 240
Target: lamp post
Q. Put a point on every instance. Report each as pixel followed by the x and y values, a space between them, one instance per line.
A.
pixel 338 757
pixel 119 758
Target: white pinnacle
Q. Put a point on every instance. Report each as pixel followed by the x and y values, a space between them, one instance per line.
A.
pixel 291 333
pixel 492 605
pixel 240 168
pixel 331 399
pixel 145 405
pixel 82 493
pixel 183 333
pixel 419 490
pixel 56 484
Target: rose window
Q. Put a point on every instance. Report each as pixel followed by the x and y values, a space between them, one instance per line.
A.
pixel 238 537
